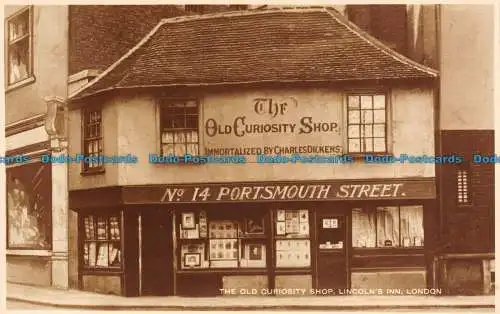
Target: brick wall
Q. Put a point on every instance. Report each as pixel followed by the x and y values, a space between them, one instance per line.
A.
pixel 469 228
pixel 385 22
pixel 99 35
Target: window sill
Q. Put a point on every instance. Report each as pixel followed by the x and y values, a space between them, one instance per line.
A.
pixel 102 271
pixel 92 172
pixel 14 86
pixel 28 252
pixel 387 251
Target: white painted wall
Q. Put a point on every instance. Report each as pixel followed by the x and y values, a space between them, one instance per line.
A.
pixel 137 133
pixel 467 67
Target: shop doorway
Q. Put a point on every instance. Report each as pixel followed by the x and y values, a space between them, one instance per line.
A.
pixel 156 253
pixel 331 251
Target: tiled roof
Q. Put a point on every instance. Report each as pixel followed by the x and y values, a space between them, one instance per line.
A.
pixel 292 45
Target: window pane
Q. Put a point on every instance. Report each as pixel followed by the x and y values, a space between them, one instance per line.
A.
pixel 368 131
pixel 354 117
pixel 192 122
pixel 363 228
pixel 387 226
pixel 379 145
pixel 178 122
pixel 353 131
pixel 168 149
pixel 180 137
pixel 379 102
pixel 167 137
pixel 379 116
pixel 18 61
pixel 19 26
pixel 353 101
pixel 367 116
pixel 192 137
pixel 366 102
pixel 368 145
pixel 379 130
pixel 102 255
pixel 354 146
pixel 86 254
pixel 412 225
pixel 192 149
pixel 114 254
pixel 92 254
pixel 180 149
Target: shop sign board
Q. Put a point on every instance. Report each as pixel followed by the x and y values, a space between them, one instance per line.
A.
pixel 282 191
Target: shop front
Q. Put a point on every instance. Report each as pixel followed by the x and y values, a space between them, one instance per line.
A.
pixel 261 238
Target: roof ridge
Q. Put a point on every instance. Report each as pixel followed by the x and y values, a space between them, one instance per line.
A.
pixel 380 45
pixel 118 62
pixel 187 18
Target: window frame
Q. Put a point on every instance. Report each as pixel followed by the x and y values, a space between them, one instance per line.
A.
pixel 83 241
pixel 242 238
pixel 30 78
pixel 165 101
pixel 85 169
pixel 372 208
pixel 387 124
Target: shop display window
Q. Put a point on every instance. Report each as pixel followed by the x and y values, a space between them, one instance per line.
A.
pixel 102 246
pixel 212 242
pixel 293 247
pixel 388 226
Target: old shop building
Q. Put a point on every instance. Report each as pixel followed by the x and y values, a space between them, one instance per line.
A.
pixel 196 84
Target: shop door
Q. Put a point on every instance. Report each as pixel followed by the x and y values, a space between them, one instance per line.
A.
pixel 156 253
pixel 331 251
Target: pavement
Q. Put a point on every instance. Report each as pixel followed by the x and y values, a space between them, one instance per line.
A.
pixel 76 299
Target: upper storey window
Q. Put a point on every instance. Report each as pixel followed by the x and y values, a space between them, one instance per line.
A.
pixel 179 127
pixel 92 140
pixel 366 123
pixel 19 32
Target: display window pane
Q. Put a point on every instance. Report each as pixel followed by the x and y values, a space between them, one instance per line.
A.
pixel 388 226
pixel 363 228
pixel 412 225
pixel 101 244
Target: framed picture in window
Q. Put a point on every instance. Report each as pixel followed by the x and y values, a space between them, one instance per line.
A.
pixel 255 252
pixel 188 220
pixel 254 226
pixel 280 228
pixel 280 216
pixel 192 259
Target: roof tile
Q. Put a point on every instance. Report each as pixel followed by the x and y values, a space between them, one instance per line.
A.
pixel 256 46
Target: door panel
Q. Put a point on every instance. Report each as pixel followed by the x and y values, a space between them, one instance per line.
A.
pixel 157 264
pixel 331 251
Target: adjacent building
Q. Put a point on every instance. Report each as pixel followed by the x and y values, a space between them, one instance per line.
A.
pixel 36 77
